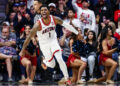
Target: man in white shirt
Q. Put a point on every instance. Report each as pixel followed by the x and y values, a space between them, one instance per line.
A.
pixel 85 15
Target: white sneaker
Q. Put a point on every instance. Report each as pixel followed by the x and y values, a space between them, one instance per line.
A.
pixel 110 82
pixel 83 80
pixel 90 79
pixel 22 77
pixel 30 82
pixel 80 82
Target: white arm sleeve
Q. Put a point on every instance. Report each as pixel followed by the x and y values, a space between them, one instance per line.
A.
pixel 75 5
pixel 70 28
pixel 93 21
pixel 77 8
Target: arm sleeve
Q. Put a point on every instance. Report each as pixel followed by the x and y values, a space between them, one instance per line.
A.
pixel 70 28
pixel 93 21
pixel 75 6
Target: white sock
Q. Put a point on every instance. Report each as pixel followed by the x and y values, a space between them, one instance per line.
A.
pixel 62 65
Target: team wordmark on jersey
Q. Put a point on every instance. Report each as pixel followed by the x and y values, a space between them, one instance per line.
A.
pixel 48 30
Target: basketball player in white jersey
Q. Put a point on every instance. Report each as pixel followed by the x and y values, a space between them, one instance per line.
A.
pixel 45 29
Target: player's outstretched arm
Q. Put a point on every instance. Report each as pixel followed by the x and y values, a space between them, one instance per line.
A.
pixel 32 34
pixel 66 25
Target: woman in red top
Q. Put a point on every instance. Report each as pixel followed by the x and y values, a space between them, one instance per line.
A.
pixel 106 43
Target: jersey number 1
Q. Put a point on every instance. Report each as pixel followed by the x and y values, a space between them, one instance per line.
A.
pixel 49 34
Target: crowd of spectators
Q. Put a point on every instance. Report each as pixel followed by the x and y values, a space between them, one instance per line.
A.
pixel 89 17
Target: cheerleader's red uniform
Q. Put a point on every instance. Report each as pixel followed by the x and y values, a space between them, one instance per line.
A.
pixel 71 58
pixel 104 57
pixel 117 35
pixel 33 59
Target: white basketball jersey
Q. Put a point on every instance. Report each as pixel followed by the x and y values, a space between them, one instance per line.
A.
pixel 47 33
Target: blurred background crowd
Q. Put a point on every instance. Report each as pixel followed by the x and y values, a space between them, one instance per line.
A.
pixel 89 17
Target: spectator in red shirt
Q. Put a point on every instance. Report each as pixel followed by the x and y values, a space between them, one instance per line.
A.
pixel 116 15
pixel 117 33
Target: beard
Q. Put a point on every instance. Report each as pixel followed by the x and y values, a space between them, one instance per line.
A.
pixel 52 12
